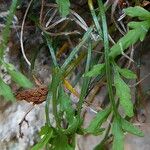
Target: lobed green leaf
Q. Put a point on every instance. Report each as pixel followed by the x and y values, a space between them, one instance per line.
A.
pixel 137 11
pixel 123 92
pixel 138 32
pixel 142 27
pixel 130 38
pixel 96 70
pixel 94 126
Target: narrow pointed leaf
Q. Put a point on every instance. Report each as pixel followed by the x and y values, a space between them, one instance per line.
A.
pixel 94 126
pixel 6 91
pixel 19 78
pixel 143 25
pixel 129 127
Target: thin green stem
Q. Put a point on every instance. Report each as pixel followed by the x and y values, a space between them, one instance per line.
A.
pixel 107 59
pixel 55 107
pixel 54 88
pixel 51 50
pixel 47 108
pixel 95 19
pixel 56 79
pixel 85 80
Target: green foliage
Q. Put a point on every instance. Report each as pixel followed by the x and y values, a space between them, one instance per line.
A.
pixel 6 31
pixel 138 31
pixel 96 70
pixel 137 11
pixel 72 128
pixel 127 73
pixel 61 142
pixel 68 119
pixel 100 146
pixel 85 82
pixel 5 91
pixel 18 77
pixel 46 133
pixel 65 106
pixel 118 141
pixel 48 40
pixel 15 75
pixel 120 126
pixel 94 126
pixel 123 92
pixel 130 38
pixel 63 7
pixel 77 48
pixel 62 107
pixel 56 140
pixel 129 127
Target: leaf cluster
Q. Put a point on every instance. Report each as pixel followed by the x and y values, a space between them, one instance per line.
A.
pixel 68 119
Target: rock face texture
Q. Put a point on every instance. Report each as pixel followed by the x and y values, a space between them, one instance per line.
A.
pixel 12 113
pixel 10 117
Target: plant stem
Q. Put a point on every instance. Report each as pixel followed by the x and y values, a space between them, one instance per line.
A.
pixel 107 59
pixel 47 108
pixel 56 81
pixel 95 19
pixel 85 80
pixel 51 50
